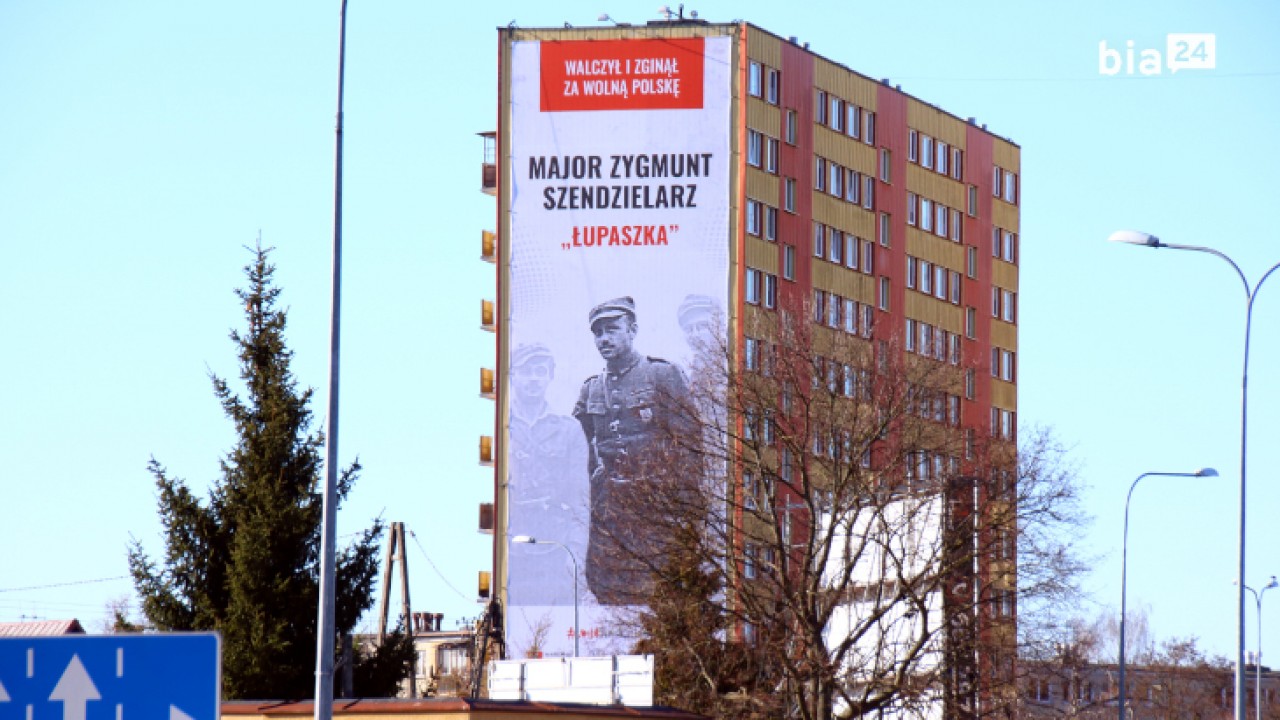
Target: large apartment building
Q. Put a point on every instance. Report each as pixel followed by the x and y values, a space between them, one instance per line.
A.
pixel 682 175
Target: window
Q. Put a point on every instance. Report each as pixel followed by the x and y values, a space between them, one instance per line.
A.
pixel 956 162
pixel 789 194
pixel 788 262
pixel 995 181
pixel 971 264
pixel 1007 361
pixel 869 128
pixel 754 79
pixel 995 362
pixel 926 214
pixel 749 552
pixel 995 301
pixel 912 203
pixel 926 334
pixel 954 287
pixel 853 123
pixel 771 155
pixel 884 229
pixel 940 225
pixel 771 87
pixel 955 225
pixel 850 251
pixel 868 191
pixel 836 117
pixel 850 316
pixel 970 384
pixel 1007 303
pixel 770 290
pixel 791 127
pixel 851 186
pixel 868 317
pixel 1010 247
pixel 770 223
pixel 1011 187
pixel 884 165
pixel 753 286
pixel 819 240
pixel 926 277
pixel 755 148
pixel 883 300
pixel 835 185
pixel 820 173
pixel 751 353
pixel 835 246
pixel 995 242
pixel 913 139
pixel 953 349
pixel 911 335
pixel 943 156
pixel 911 271
pixel 819 306
pixel 926 151
pixel 940 282
pixel 868 257
pixel 970 322
pixel 973 201
pixel 834 305
pixel 750 491
pixel 820 116
pixel 754 217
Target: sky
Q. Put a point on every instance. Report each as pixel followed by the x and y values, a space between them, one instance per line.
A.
pixel 146 145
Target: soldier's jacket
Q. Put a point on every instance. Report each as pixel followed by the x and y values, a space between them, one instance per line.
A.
pixel 621 413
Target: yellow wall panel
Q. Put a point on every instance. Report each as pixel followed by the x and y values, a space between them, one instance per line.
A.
pixel 1004 274
pixel 936 123
pixel 937 187
pixel 1005 215
pixel 1007 155
pixel 764 117
pixel 764 47
pixel 1004 395
pixel 763 186
pixel 846 216
pixel 936 250
pixel 845 150
pixel 1004 334
pixel 844 281
pixel 762 255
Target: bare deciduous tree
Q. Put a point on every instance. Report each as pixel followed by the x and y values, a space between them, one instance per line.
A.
pixel 828 530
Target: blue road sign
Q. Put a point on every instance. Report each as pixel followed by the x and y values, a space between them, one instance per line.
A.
pixel 174 676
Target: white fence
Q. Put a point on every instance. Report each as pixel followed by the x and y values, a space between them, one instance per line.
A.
pixel 609 680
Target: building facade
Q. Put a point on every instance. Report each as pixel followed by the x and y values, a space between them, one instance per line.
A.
pixel 683 179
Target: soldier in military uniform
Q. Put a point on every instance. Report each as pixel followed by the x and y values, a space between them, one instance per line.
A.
pixel 548 484
pixel 626 411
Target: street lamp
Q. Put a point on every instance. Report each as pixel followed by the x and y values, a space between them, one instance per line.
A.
pixel 527 540
pixel 1134 237
pixel 1124 568
pixel 1257 661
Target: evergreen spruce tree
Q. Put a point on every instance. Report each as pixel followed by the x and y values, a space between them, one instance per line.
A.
pixel 245 562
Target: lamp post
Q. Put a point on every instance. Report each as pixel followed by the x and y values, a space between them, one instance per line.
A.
pixel 527 540
pixel 1134 237
pixel 1257 661
pixel 1124 568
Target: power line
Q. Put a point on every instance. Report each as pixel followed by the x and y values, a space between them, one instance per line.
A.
pixel 433 567
pixel 65 584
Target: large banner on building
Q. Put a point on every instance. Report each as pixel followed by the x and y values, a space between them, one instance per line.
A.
pixel 619 202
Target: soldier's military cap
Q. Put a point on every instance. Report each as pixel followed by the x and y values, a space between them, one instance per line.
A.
pixel 617 307
pixel 526 352
pixel 694 307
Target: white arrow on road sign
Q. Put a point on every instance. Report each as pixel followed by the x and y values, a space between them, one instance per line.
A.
pixel 176 714
pixel 4 696
pixel 75 689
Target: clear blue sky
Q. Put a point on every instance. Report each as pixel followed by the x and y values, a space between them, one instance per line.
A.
pixel 143 145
